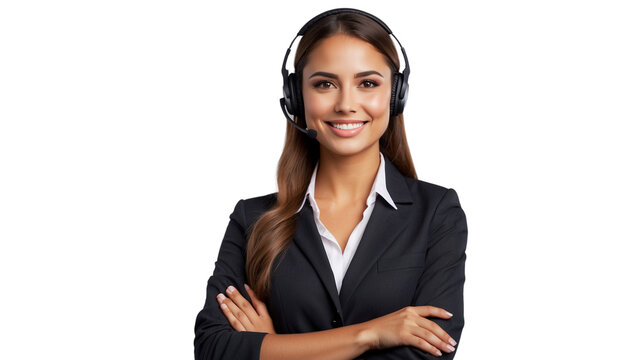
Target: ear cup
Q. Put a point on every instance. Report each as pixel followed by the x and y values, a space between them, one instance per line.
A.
pixel 299 107
pixel 289 92
pixel 399 91
pixel 396 79
pixel 402 96
pixel 294 98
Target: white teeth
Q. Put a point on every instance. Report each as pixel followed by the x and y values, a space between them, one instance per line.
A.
pixel 348 126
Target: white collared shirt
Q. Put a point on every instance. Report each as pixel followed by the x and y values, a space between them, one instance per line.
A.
pixel 340 260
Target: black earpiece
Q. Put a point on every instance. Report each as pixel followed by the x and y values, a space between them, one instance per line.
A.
pixel 292 99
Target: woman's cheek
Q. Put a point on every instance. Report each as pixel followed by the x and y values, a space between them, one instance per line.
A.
pixel 317 106
pixel 378 105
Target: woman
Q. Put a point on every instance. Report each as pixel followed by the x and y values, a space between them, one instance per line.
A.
pixel 354 257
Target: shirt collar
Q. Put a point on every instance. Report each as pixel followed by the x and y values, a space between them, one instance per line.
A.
pixel 379 187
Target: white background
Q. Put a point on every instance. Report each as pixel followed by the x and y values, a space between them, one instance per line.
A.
pixel 129 130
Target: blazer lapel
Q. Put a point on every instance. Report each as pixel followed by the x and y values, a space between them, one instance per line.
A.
pixel 385 224
pixel 309 241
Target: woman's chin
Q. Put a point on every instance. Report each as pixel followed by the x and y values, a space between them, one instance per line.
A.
pixel 345 148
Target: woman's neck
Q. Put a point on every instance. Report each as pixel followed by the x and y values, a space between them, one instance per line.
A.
pixel 346 179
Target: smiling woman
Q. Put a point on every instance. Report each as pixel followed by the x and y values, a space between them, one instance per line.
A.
pixel 353 257
pixel 335 86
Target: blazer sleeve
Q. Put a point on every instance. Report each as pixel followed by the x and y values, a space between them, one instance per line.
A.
pixel 214 337
pixel 442 281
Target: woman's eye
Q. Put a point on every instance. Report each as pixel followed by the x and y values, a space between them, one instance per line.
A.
pixel 326 84
pixel 369 83
pixel 323 85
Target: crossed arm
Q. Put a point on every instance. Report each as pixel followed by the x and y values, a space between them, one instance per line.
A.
pixel 345 342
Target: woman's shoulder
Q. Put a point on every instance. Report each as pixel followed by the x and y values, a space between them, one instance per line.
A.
pixel 429 192
pixel 427 186
pixel 262 202
pixel 413 189
pixel 251 208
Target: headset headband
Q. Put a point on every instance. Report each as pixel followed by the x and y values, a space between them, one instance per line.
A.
pixel 320 16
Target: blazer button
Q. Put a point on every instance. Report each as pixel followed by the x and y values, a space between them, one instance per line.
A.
pixel 337 323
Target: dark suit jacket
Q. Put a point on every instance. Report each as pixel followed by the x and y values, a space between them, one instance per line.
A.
pixel 411 256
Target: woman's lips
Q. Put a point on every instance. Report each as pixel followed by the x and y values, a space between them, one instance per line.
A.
pixel 346 132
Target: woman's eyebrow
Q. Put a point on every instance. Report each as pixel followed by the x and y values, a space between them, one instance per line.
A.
pixel 334 76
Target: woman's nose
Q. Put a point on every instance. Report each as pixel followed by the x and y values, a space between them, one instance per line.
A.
pixel 346 101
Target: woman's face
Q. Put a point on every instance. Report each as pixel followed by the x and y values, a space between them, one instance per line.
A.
pixel 347 83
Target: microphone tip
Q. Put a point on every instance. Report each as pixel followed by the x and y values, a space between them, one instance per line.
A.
pixel 311 133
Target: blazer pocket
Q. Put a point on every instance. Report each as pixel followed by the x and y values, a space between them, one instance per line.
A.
pixel 406 261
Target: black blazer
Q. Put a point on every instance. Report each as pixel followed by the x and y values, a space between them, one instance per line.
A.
pixel 411 256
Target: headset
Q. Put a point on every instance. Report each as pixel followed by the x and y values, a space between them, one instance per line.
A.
pixel 292 99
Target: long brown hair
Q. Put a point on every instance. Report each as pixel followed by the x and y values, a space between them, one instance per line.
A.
pixel 273 231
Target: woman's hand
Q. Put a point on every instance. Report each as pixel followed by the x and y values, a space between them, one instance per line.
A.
pixel 408 326
pixel 240 313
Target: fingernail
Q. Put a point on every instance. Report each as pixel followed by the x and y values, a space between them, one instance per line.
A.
pixel 450 314
pixel 221 297
pixel 246 286
pixel 451 348
pixel 230 289
pixel 438 353
pixel 224 306
pixel 452 342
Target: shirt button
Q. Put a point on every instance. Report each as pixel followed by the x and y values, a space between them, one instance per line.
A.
pixel 336 323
